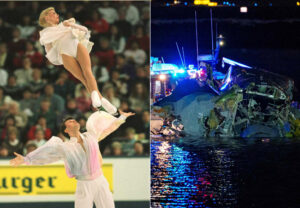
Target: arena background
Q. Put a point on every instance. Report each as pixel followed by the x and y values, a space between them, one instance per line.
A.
pixel 35 96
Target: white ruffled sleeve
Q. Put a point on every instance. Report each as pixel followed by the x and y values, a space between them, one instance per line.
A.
pixel 100 124
pixel 114 126
pixel 51 34
pixel 50 152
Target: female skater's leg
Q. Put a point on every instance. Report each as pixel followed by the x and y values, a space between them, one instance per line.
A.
pixel 73 67
pixel 83 57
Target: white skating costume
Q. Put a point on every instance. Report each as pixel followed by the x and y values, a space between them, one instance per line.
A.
pixel 83 164
pixel 60 39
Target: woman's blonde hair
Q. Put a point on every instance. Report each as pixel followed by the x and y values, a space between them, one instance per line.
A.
pixel 44 13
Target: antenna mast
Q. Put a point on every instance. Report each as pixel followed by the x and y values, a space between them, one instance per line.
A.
pixel 212 33
pixel 179 54
pixel 196 39
pixel 183 57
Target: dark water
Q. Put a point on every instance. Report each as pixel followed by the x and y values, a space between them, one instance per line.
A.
pixel 201 172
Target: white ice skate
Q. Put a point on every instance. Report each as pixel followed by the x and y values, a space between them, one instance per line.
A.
pixel 96 101
pixel 110 108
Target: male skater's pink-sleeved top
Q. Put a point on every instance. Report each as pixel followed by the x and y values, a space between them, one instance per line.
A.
pixel 79 163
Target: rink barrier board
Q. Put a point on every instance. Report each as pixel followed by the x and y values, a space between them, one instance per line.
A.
pixel 129 180
pixel 41 180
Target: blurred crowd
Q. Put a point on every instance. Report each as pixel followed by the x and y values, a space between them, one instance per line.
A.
pixel 35 96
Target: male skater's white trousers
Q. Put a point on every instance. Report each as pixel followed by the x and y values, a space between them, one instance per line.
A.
pixel 89 191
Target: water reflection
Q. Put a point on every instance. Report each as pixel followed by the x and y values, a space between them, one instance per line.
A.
pixel 197 172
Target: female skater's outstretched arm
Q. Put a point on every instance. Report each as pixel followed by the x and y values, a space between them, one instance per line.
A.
pixel 115 125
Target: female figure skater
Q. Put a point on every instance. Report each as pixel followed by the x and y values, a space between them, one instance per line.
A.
pixel 67 43
pixel 81 156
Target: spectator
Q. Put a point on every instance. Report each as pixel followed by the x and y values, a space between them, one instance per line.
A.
pixel 138 149
pixel 146 123
pixel 10 121
pixel 26 28
pixel 30 147
pixel 108 13
pixel 126 70
pixel 6 59
pixel 142 76
pixel 130 139
pixel 71 110
pixel 119 84
pixel 20 117
pixel 107 151
pixel 41 124
pixel 117 41
pixel 36 57
pixel 50 72
pixel 105 53
pixel 82 122
pixel 132 13
pixel 39 137
pixel 37 84
pixel 12 89
pixel 145 18
pixel 11 13
pixel 3 152
pixel 62 9
pixel 83 101
pixel 57 102
pixel 135 54
pixel 109 94
pixel 4 101
pixel 124 106
pixel 34 10
pixel 141 38
pixel 80 10
pixel 100 72
pixel 122 24
pixel 27 103
pixel 63 86
pixel 117 149
pixel 3 77
pixel 139 98
pixel 13 143
pixel 16 44
pixel 4 30
pixel 97 23
pixel 24 74
pixel 45 111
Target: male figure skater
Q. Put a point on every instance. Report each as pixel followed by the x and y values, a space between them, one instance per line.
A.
pixel 81 156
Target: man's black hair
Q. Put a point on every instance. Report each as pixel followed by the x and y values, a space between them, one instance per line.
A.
pixel 63 126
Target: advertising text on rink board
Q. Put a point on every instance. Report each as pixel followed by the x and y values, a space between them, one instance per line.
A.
pixel 41 180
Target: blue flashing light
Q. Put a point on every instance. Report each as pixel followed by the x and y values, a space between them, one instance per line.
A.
pixel 180 71
pixel 185 3
pixel 159 67
pixel 233 4
pixel 255 4
pixel 167 4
